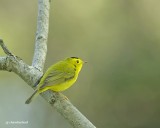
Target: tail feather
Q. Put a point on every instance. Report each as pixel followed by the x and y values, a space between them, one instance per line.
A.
pixel 31 97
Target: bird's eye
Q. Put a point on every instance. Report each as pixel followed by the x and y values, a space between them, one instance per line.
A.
pixel 77 61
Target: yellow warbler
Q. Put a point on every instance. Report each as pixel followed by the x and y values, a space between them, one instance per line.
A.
pixel 59 76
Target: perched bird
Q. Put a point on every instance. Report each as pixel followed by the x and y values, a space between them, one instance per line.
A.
pixel 59 76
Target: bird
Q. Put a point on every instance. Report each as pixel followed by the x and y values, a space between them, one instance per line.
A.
pixel 59 77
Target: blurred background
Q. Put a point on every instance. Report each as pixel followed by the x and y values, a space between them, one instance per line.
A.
pixel 120 40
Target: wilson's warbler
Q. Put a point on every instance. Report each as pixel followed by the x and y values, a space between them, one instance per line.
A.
pixel 59 76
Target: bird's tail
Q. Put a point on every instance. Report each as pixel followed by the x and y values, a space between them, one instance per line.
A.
pixel 31 97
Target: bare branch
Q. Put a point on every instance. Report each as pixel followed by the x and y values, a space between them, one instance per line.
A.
pixel 59 102
pixel 28 73
pixel 31 75
pixel 67 110
pixel 14 64
pixel 41 34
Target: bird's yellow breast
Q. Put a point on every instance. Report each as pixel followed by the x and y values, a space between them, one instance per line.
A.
pixel 60 87
pixel 63 86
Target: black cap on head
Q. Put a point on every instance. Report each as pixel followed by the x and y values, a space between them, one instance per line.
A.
pixel 75 57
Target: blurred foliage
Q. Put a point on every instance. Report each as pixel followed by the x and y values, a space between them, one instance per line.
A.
pixel 117 88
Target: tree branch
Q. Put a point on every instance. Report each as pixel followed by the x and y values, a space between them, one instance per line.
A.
pixel 14 64
pixel 31 74
pixel 41 34
pixel 67 110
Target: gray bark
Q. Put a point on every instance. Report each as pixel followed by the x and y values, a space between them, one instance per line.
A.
pixel 31 74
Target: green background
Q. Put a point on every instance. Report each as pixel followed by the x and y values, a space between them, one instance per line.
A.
pixel 120 40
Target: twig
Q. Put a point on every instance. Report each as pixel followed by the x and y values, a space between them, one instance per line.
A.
pixel 5 49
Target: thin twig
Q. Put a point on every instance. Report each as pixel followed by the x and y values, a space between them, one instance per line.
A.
pixel 5 49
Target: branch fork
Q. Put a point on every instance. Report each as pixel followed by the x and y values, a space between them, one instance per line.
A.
pixel 31 74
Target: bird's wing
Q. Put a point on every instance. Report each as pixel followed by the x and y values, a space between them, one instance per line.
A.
pixel 57 77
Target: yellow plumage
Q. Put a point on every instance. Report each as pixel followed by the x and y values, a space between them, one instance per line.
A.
pixel 59 76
